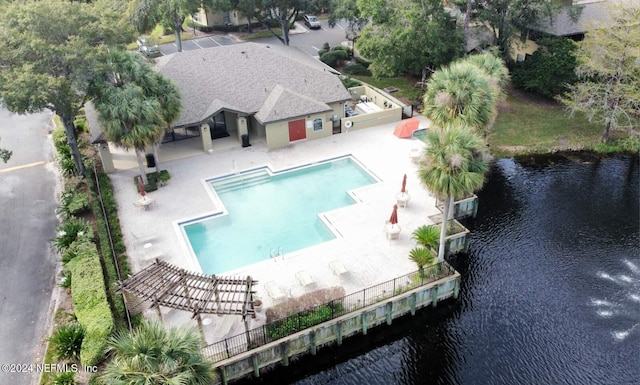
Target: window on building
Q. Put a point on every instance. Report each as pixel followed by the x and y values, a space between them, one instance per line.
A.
pixel 317 124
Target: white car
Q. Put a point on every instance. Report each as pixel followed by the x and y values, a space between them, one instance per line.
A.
pixel 312 22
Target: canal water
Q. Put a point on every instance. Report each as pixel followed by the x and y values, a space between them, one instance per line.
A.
pixel 550 290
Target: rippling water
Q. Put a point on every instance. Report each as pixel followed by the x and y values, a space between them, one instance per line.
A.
pixel 550 290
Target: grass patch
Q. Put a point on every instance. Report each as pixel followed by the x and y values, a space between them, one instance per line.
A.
pixel 158 35
pixel 407 92
pixel 262 34
pixel 526 124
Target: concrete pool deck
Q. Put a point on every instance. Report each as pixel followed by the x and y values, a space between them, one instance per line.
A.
pixel 367 255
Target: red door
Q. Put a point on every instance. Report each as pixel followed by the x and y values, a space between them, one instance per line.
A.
pixel 297 130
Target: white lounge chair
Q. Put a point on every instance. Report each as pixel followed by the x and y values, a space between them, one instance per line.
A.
pixel 304 278
pixel 337 267
pixel 273 289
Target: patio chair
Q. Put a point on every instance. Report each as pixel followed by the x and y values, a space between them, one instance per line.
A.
pixel 304 278
pixel 274 291
pixel 337 267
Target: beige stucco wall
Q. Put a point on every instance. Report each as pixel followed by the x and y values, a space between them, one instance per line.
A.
pixel 230 119
pixel 256 129
pixel 520 48
pixel 374 119
pixel 278 132
pixel 378 97
pixel 209 19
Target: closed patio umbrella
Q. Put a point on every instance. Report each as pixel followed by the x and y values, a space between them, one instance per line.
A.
pixel 404 183
pixel 394 215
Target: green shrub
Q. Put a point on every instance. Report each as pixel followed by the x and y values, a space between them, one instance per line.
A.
pixel 59 137
pixel 356 69
pixel 164 176
pixel 427 236
pixel 70 230
pixel 421 256
pixel 111 275
pixel 81 247
pixel 362 62
pixel 91 307
pixel 341 48
pixel 326 46
pixel 81 125
pixel 73 202
pixel 322 52
pixel 300 321
pixel 66 279
pixel 65 378
pixel 332 58
pixel 67 341
pixel 349 82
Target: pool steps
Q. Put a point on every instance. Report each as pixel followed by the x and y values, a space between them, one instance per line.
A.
pixel 241 181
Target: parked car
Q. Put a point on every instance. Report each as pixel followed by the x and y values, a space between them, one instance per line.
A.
pixel 311 22
pixel 147 46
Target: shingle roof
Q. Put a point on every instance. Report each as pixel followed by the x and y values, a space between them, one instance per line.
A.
pixel 592 11
pixel 283 103
pixel 243 77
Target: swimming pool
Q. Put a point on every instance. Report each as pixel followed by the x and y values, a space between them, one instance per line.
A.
pixel 267 214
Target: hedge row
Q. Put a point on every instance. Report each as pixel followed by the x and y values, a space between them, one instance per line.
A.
pixel 111 276
pixel 82 262
pixel 90 304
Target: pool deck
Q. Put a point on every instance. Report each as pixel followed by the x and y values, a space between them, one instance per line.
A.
pixel 367 255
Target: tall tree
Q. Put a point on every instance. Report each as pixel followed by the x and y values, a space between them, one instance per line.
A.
pixel 550 69
pixel 170 107
pixel 283 12
pixel 454 165
pixel 608 87
pixel 154 355
pixel 129 103
pixel 460 95
pixel 146 14
pixel 508 18
pixel 49 51
pixel 347 10
pixel 409 40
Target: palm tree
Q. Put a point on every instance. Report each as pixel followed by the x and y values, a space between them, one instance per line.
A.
pixel 155 356
pixel 126 99
pixel 493 66
pixel 460 95
pixel 454 165
pixel 170 105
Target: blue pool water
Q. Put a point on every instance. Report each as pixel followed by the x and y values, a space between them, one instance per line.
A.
pixel 269 213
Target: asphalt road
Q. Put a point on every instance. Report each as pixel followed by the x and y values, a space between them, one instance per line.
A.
pixel 310 41
pixel 27 225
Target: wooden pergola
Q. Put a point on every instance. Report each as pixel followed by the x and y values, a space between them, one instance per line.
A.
pixel 167 285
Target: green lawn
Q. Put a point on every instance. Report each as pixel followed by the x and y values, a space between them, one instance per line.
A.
pixel 408 93
pixel 526 124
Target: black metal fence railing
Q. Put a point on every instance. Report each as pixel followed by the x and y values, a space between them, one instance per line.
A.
pixel 305 319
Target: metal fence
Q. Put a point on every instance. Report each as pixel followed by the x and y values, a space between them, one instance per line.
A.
pixel 305 319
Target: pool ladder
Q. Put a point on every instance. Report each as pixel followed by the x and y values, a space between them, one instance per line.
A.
pixel 276 253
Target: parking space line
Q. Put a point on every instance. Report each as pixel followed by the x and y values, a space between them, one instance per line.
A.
pixel 215 41
pixel 28 165
pixel 316 48
pixel 196 43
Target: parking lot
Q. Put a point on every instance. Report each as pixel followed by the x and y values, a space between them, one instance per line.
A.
pixel 199 43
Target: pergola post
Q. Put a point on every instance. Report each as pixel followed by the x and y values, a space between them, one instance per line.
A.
pixel 199 321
